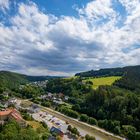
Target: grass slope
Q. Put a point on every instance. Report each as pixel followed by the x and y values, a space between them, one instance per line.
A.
pixel 103 81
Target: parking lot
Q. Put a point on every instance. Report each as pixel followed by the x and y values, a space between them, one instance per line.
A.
pixel 51 121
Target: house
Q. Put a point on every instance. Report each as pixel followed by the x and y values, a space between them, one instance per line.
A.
pixel 34 108
pixel 50 95
pixel 43 97
pixel 12 114
pixel 57 102
pixel 57 131
pixel 12 101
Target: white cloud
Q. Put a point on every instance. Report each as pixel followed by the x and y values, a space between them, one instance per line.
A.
pixel 95 10
pixel 39 43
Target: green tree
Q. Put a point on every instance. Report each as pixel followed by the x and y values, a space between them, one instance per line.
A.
pixel 92 121
pixel 129 131
pixel 84 118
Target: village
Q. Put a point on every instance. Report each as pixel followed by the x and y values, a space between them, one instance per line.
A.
pixel 57 123
pixel 11 108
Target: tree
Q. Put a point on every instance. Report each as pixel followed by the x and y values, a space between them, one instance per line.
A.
pixel 84 118
pixel 76 107
pixel 117 130
pixel 75 131
pixel 69 128
pixel 92 121
pixel 88 137
pixel 137 136
pixel 129 131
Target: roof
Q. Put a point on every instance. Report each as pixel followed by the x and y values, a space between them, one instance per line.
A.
pixel 56 130
pixel 11 112
pixel 16 115
pixel 5 112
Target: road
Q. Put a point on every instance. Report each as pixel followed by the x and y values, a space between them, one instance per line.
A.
pixel 98 133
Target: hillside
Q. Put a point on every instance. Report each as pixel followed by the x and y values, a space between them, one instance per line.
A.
pixel 11 79
pixel 99 81
pixel 130 76
pixel 102 72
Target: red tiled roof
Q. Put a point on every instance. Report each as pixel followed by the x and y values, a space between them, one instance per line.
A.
pixel 16 115
pixel 6 112
pixel 11 112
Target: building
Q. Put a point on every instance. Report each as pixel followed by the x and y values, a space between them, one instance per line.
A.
pixel 12 114
pixel 57 131
pixel 57 101
pixel 34 108
pixel 12 101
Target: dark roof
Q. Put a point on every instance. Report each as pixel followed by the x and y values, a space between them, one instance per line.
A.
pixel 56 130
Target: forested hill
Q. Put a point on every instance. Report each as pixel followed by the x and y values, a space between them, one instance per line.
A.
pixel 102 72
pixel 130 76
pixel 11 79
pixel 109 72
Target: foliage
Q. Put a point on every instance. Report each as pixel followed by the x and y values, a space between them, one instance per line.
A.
pixel 69 112
pixel 102 72
pixel 13 80
pixel 73 130
pixel 30 91
pixel 73 87
pixel 87 137
pixel 12 131
pixel 84 118
pixel 46 103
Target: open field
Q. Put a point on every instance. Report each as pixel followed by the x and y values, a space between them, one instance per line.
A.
pixel 103 81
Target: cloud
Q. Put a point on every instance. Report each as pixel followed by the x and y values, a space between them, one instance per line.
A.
pixel 4 4
pixel 39 43
pixel 98 10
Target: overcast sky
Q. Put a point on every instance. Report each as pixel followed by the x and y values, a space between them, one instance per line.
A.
pixel 63 37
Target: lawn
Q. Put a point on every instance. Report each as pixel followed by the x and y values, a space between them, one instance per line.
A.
pixel 103 81
pixel 34 124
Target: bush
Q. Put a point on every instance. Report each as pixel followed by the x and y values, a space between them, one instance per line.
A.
pixel 73 130
pixel 129 131
pixel 87 137
pixel 46 104
pixel 92 121
pixel 27 117
pixel 69 112
pixel 84 118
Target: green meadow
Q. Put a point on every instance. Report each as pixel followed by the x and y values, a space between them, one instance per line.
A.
pixel 103 81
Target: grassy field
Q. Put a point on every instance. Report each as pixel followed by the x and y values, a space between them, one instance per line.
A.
pixel 34 124
pixel 103 81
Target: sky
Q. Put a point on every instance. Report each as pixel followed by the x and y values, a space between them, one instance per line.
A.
pixel 63 37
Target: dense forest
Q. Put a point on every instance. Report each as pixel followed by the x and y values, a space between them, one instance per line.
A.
pixel 131 79
pixel 102 72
